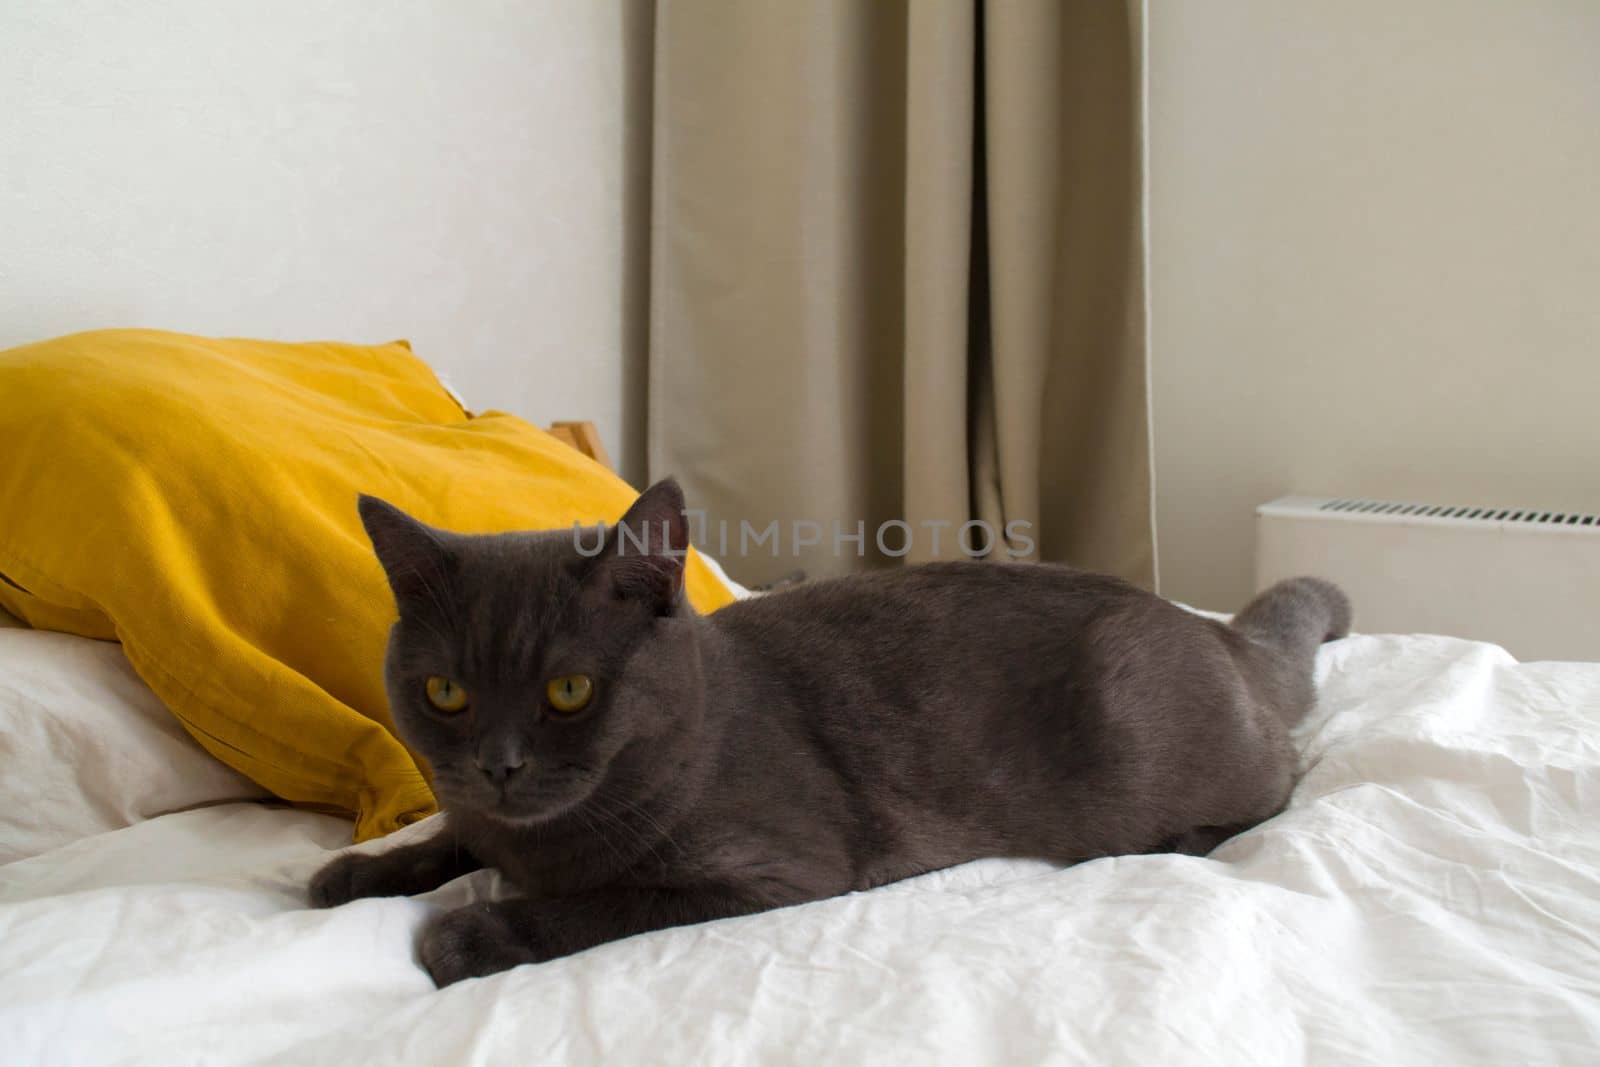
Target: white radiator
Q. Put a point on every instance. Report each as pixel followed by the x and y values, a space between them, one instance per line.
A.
pixel 1525 579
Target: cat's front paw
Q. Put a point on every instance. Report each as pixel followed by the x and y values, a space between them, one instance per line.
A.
pixel 471 942
pixel 345 879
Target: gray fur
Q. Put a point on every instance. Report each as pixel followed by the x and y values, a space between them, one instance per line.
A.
pixel 788 748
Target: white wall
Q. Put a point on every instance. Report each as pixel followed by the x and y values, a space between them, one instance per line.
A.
pixel 1376 239
pixel 451 172
pixel 1375 261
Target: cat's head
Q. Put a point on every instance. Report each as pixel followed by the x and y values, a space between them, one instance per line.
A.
pixel 531 669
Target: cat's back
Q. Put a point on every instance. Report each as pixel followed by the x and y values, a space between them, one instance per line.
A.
pixel 941 612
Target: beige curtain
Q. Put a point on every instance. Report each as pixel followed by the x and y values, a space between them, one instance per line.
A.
pixel 897 272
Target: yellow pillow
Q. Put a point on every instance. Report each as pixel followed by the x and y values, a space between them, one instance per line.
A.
pixel 195 499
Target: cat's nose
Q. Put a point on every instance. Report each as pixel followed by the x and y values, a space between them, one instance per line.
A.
pixel 500 771
pixel 500 756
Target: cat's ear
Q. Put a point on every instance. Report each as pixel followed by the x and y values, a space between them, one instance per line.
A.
pixel 414 557
pixel 644 553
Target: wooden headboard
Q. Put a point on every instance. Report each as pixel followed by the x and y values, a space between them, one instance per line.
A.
pixel 584 437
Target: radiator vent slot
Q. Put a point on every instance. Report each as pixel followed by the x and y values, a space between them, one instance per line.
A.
pixel 1359 506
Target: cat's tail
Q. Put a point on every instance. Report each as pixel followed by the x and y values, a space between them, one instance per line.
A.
pixel 1289 620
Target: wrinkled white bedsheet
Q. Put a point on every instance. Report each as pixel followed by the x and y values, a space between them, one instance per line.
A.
pixel 1431 896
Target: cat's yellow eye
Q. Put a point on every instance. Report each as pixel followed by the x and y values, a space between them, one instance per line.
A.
pixel 445 694
pixel 570 692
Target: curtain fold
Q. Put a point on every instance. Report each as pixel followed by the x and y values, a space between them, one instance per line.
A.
pixel 897 273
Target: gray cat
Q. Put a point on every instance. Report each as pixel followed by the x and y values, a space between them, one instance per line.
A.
pixel 630 765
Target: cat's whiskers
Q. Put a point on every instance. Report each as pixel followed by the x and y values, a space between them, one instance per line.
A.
pixel 598 833
pixel 592 805
pixel 650 820
pixel 645 844
pixel 436 595
pixel 433 630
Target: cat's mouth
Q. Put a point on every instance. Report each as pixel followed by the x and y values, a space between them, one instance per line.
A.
pixel 539 798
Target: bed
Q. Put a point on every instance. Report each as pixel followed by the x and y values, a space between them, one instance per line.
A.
pixel 1432 895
